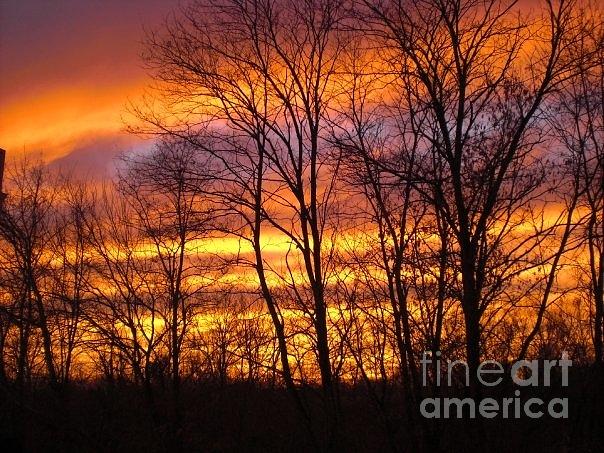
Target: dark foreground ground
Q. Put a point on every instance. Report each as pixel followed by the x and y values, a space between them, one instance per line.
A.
pixel 240 417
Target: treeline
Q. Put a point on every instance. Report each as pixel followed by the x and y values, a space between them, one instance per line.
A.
pixel 336 187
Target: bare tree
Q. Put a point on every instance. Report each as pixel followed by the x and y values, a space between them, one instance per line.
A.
pixel 124 307
pixel 266 70
pixel 66 286
pixel 172 215
pixel 579 124
pixel 483 78
pixel 26 226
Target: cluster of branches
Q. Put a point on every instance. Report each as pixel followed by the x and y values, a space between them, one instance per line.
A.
pixel 103 266
pixel 397 176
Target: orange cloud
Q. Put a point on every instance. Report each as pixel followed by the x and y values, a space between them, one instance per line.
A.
pixel 60 120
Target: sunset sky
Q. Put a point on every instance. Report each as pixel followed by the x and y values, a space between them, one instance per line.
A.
pixel 67 70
